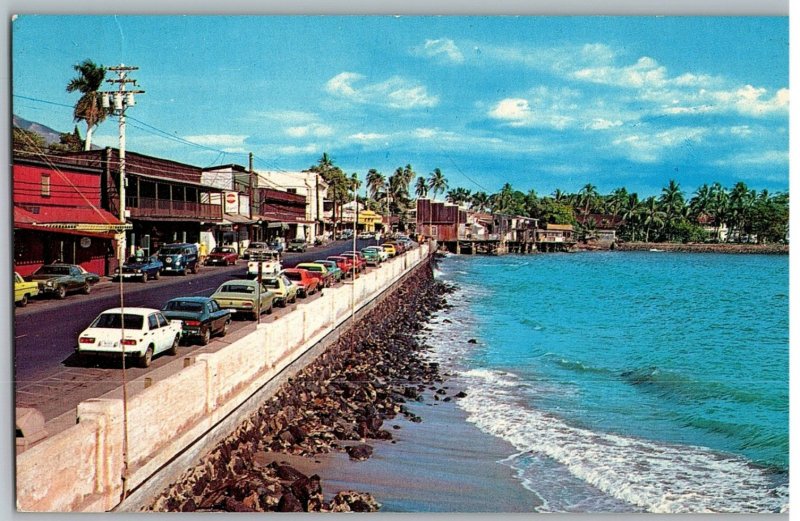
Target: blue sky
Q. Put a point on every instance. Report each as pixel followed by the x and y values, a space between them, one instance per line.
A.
pixel 540 102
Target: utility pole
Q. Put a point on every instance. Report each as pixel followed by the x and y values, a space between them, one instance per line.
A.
pixel 122 99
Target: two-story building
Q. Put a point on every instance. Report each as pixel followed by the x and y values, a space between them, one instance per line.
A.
pixel 310 186
pixel 555 237
pixel 59 215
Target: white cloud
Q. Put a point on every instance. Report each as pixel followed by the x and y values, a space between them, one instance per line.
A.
pixel 289 117
pixel 443 49
pixel 312 130
pixel 602 124
pixel 766 157
pixel 515 111
pixel 650 147
pixel 544 107
pixel 396 92
pixel 292 150
pixel 367 136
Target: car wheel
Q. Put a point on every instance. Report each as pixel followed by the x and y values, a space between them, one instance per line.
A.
pixel 183 273
pixel 205 336
pixel 87 288
pixel 269 309
pixel 173 350
pixel 23 301
pixel 294 299
pixel 147 357
pixel 194 269
pixel 61 292
pixel 282 303
pixel 144 276
pixel 302 294
pixel 225 328
pixel 157 275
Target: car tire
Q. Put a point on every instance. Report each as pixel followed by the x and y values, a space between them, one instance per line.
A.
pixel 23 301
pixel 87 288
pixel 225 328
pixel 205 336
pixel 144 276
pixel 282 303
pixel 173 350
pixel 61 292
pixel 157 275
pixel 146 358
pixel 269 310
pixel 194 269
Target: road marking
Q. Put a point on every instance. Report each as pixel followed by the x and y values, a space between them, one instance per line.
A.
pixel 20 336
pixel 202 290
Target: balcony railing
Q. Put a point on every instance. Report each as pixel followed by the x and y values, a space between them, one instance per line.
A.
pixel 166 208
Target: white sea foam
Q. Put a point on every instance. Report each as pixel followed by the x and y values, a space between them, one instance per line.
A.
pixel 653 476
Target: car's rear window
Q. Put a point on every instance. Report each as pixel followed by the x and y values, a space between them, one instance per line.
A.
pixel 179 305
pixel 272 283
pixel 115 321
pixel 53 270
pixel 294 276
pixel 237 288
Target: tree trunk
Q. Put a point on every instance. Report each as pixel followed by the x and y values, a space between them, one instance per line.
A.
pixel 89 132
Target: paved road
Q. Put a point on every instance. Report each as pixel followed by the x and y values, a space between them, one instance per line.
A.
pixel 46 374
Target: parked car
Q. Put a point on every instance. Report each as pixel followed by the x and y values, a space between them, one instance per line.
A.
pixel 269 260
pixel 371 257
pixel 91 278
pixel 147 332
pixel 390 249
pixel 179 258
pixel 298 245
pixel 201 317
pixel 398 246
pixel 345 235
pixel 365 235
pixel 320 271
pixel 142 268
pixel 24 290
pixel 357 258
pixel 306 283
pixel 59 279
pixel 383 254
pixel 222 256
pixel 406 242
pixel 285 291
pixel 345 264
pixel 337 273
pixel 244 296
pixel 254 247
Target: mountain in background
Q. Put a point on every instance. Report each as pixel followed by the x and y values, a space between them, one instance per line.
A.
pixel 50 136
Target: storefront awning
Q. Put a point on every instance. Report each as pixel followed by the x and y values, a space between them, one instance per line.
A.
pixel 234 218
pixel 90 220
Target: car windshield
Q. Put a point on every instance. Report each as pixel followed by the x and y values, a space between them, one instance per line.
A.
pixel 310 267
pixel 182 305
pixel 52 270
pixel 171 251
pixel 237 288
pixel 115 321
pixel 257 246
pixel 272 284
pixel 222 250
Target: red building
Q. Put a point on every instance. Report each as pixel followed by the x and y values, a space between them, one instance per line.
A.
pixel 59 216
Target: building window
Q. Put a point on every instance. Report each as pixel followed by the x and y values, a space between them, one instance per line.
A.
pixel 291 190
pixel 45 185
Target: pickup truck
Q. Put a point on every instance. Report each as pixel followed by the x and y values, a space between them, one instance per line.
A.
pixel 270 261
pixel 24 290
pixel 147 333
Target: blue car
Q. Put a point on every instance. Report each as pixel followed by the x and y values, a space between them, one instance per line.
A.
pixel 201 316
pixel 141 268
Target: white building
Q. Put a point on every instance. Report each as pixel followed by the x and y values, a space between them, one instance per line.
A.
pixel 311 185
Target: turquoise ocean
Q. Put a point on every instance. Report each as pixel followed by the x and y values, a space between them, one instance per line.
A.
pixel 627 381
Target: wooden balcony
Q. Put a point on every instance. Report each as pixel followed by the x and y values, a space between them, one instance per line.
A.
pixel 166 209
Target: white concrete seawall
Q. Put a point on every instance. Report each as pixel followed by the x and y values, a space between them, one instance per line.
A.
pixel 81 468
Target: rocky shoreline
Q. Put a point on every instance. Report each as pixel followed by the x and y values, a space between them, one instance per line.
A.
pixel 768 249
pixel 339 402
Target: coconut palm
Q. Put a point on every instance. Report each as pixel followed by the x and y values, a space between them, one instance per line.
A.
pixel 421 187
pixel 672 203
pixel 652 216
pixel 587 197
pixel 479 201
pixel 437 183
pixel 458 195
pixel 88 108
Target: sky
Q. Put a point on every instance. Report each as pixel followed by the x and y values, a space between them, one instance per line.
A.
pixel 542 103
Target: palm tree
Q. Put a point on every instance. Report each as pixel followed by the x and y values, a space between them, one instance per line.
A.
pixel 458 196
pixel 673 204
pixel 653 216
pixel 421 187
pixel 587 196
pixel 479 201
pixel 88 108
pixel 437 183
pixel 504 200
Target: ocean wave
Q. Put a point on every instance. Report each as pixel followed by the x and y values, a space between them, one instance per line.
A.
pixel 653 476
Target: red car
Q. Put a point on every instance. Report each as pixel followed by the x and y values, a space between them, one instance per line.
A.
pixel 222 256
pixel 345 264
pixel 306 283
pixel 358 258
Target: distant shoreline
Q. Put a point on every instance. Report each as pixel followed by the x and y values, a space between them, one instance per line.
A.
pixel 764 249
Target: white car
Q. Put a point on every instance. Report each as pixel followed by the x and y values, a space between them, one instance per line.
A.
pixel 270 261
pixel 147 332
